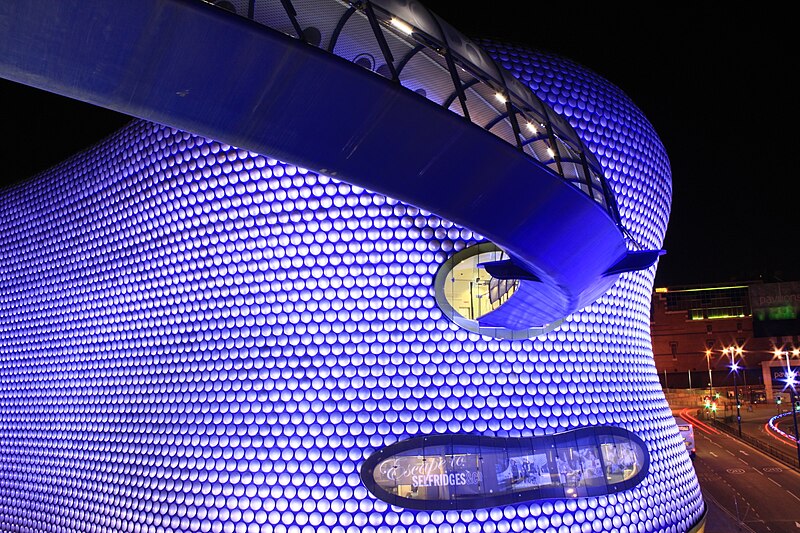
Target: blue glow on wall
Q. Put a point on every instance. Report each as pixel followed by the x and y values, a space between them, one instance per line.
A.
pixel 194 337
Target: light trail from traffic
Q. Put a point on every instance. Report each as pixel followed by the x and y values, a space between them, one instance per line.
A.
pixel 772 428
pixel 697 423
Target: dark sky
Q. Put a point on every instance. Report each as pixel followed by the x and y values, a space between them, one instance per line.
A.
pixel 713 81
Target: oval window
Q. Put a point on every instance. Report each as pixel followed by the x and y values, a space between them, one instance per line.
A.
pixel 472 297
pixel 469 471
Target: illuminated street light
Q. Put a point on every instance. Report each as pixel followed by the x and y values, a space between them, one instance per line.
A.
pixel 710 381
pixel 735 370
pixel 733 351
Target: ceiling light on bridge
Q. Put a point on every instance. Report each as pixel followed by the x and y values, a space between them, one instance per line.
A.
pixel 531 127
pixel 501 98
pixel 402 26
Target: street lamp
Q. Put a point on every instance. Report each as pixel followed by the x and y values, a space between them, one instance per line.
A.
pixel 735 369
pixel 791 381
pixel 734 351
pixel 710 381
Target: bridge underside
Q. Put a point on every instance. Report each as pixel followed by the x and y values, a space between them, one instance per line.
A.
pixel 197 68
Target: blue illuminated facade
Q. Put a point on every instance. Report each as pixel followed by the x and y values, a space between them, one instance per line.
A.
pixel 195 337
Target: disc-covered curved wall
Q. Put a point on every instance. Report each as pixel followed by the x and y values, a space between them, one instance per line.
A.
pixel 194 337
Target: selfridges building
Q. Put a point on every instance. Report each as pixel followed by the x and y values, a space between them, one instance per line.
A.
pixel 200 337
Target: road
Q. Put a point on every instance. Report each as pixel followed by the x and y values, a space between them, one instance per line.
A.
pixel 754 425
pixel 752 488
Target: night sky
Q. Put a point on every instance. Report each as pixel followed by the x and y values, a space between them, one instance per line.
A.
pixel 713 81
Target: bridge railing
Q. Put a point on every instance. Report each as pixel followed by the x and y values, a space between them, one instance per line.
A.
pixel 780 454
pixel 405 42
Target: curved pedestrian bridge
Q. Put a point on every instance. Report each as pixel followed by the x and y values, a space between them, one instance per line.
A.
pixel 384 94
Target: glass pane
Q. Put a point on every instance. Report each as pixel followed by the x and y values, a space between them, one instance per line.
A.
pixel 497 471
pixel 466 468
pixel 620 458
pixel 591 466
pixel 570 470
pixel 532 471
pixel 437 473
pixel 472 291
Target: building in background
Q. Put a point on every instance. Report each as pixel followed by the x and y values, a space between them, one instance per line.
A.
pixel 702 329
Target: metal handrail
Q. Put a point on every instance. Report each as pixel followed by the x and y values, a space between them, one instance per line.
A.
pixel 778 454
